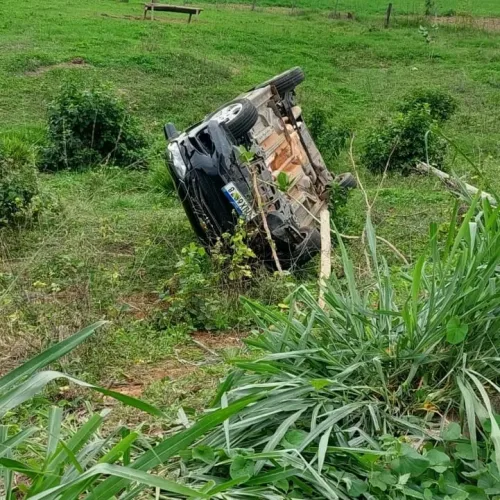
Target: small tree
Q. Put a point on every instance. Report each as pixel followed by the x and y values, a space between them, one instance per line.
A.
pixel 89 127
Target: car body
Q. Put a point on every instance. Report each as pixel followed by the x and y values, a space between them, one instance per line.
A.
pixel 260 142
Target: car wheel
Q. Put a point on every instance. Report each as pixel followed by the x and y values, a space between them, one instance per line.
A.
pixel 239 117
pixel 286 82
pixel 346 181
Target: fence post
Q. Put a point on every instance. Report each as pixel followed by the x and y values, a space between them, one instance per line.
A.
pixel 388 16
pixel 253 4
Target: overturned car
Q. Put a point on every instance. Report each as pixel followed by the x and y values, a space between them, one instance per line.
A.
pixel 254 158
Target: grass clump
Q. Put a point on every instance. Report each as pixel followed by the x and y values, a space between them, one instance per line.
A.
pixel 19 187
pixel 380 394
pixel 87 127
pixel 399 144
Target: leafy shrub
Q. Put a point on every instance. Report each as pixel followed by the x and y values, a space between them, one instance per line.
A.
pixel 190 295
pixel 18 181
pixel 203 292
pixel 441 104
pixel 89 127
pixel 331 139
pixel 401 143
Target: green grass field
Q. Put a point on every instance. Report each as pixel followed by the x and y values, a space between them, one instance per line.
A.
pixel 116 239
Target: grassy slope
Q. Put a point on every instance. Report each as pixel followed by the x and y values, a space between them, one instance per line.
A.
pixel 117 239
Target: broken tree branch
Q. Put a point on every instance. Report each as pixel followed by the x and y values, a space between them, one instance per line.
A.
pixel 451 183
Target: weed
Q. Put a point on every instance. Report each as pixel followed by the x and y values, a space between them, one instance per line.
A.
pixel 403 142
pixel 90 127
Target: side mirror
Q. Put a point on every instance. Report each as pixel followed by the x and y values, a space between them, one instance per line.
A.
pixel 170 131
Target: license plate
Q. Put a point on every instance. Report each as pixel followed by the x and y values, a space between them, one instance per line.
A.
pixel 238 201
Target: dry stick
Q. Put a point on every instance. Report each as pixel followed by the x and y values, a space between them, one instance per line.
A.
pixel 204 347
pixel 326 255
pixel 368 206
pixel 264 222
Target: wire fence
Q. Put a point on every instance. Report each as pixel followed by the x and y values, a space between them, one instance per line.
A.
pixel 439 8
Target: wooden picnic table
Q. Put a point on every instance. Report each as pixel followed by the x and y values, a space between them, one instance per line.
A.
pixel 180 9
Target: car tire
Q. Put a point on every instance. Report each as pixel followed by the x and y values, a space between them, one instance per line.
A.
pixel 346 181
pixel 287 81
pixel 239 116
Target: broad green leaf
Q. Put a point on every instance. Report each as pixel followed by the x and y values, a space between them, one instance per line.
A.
pixel 487 423
pixel 453 432
pixel 241 467
pixel 410 462
pixel 357 488
pixel 490 480
pixel 294 438
pixel 382 480
pixel 319 383
pixel 475 493
pixel 464 451
pixel 456 331
pixel 204 453
pixel 438 460
pixel 283 485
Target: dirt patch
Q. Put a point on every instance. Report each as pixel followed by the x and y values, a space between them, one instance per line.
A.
pixel 139 377
pixel 482 23
pixel 141 305
pixel 75 63
pixel 220 341
pixel 15 349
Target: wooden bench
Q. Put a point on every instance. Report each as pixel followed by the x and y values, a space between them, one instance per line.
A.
pixel 180 9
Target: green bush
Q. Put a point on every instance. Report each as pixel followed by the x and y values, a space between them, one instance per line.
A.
pixel 329 138
pixel 90 127
pixel 441 104
pixel 19 188
pixel 403 142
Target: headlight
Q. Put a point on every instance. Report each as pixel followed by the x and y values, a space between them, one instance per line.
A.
pixel 176 159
